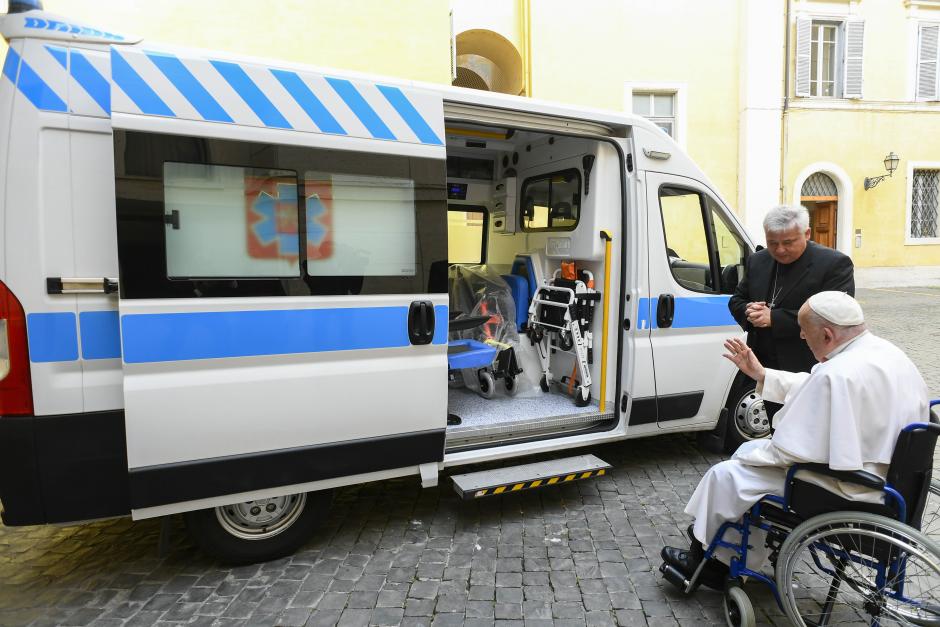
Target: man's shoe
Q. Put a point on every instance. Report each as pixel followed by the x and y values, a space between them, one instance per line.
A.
pixel 713 575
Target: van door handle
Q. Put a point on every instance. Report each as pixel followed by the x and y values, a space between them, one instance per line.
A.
pixel 665 311
pixel 421 322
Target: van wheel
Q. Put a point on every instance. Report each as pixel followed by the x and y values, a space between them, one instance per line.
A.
pixel 747 417
pixel 260 530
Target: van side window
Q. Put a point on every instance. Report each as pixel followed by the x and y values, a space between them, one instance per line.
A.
pixel 238 219
pixel 732 252
pixel 359 225
pixel 224 221
pixel 466 234
pixel 686 238
pixel 551 202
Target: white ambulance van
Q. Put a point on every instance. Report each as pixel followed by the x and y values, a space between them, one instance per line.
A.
pixel 226 286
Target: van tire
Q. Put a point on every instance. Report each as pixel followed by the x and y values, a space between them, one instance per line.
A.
pixel 226 532
pixel 742 406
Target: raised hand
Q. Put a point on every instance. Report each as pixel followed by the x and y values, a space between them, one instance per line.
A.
pixel 741 355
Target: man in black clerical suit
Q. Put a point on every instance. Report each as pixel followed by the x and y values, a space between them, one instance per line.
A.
pixel 778 281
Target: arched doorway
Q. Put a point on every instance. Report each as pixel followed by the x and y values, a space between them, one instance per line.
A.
pixel 820 196
pixel 487 60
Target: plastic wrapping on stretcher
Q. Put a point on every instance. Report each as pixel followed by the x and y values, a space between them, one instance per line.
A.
pixel 480 291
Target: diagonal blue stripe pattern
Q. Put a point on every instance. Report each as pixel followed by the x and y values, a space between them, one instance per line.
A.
pixel 136 89
pixel 11 65
pixel 60 54
pixel 187 84
pixel 236 76
pixel 410 115
pixel 308 102
pixel 34 88
pixel 91 80
pixel 366 114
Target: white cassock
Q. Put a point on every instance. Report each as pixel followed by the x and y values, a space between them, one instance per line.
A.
pixel 847 413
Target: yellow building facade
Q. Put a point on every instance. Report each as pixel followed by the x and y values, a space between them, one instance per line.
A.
pixel 777 100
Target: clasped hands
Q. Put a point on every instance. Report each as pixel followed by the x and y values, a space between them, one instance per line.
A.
pixel 758 314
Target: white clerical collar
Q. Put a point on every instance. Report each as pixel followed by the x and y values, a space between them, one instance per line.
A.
pixel 841 347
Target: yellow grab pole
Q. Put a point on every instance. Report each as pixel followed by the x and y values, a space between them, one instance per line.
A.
pixel 605 235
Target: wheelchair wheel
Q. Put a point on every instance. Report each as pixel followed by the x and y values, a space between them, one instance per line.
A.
pixel 930 521
pixel 487 384
pixel 739 611
pixel 859 568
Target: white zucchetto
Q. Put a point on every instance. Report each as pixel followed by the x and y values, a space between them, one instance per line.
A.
pixel 837 307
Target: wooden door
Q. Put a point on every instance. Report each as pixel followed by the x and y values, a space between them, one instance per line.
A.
pixel 822 221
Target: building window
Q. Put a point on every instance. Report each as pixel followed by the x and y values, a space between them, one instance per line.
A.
pixel 829 57
pixel 927 59
pixel 825 61
pixel 659 108
pixel 925 192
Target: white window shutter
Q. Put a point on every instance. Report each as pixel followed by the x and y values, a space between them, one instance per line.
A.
pixel 927 62
pixel 854 54
pixel 804 40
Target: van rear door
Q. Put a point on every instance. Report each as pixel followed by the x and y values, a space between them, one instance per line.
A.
pixel 276 233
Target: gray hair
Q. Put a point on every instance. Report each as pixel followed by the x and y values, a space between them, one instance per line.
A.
pixel 785 217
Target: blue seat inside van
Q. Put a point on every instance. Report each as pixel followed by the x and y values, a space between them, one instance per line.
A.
pixel 519 288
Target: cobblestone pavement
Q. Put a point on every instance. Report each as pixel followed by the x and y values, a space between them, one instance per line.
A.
pixel 392 553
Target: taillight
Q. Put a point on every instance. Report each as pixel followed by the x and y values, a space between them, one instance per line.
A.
pixel 16 392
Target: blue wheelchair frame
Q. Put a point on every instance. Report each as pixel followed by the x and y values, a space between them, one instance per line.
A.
pixel 753 518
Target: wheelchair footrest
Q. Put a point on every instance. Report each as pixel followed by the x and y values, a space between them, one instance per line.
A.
pixel 777 516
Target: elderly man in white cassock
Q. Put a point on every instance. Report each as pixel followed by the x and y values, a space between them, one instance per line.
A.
pixel 846 413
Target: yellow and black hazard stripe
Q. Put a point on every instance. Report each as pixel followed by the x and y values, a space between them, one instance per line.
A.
pixel 538 483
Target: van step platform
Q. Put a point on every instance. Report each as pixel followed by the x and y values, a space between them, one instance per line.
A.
pixel 476 485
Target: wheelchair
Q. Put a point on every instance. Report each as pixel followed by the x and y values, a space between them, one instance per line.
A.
pixel 837 561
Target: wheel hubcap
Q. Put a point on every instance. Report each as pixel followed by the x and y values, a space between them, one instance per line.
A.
pixel 750 417
pixel 263 518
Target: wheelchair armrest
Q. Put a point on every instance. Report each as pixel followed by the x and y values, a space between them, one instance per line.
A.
pixel 859 477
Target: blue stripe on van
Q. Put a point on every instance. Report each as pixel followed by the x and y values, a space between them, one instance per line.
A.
pixel 212 335
pixel 33 87
pixel 440 324
pixel 366 114
pixel 52 337
pixel 187 84
pixel 11 65
pixel 91 80
pixel 136 88
pixel 236 76
pixel 101 334
pixel 85 75
pixel 308 101
pixel 692 312
pixel 409 114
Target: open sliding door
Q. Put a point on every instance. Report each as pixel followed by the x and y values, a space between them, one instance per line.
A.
pixel 276 233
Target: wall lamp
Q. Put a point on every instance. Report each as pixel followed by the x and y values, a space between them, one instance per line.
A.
pixel 891 164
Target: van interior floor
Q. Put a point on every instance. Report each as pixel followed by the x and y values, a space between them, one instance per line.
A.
pixel 504 419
